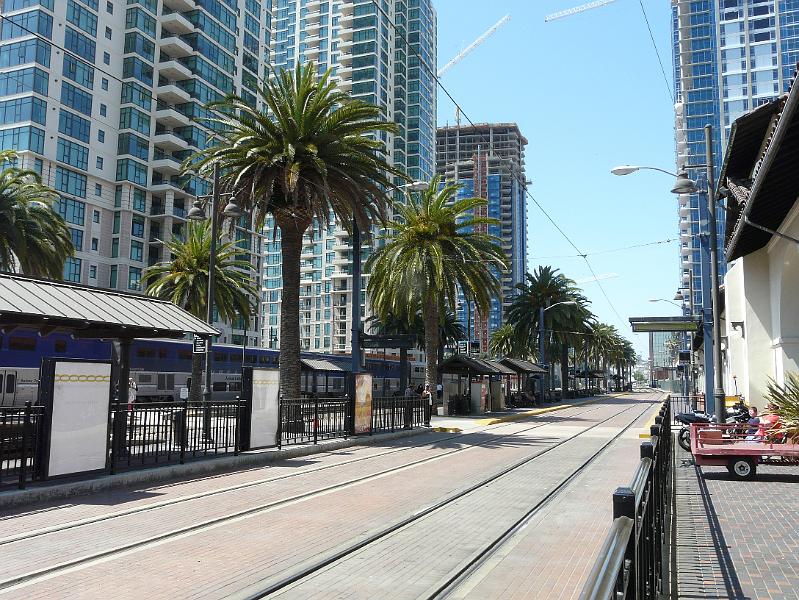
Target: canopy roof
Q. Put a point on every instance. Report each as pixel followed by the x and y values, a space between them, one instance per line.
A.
pixel 321 365
pixel 460 364
pixel 640 324
pixel 83 311
pixel 521 366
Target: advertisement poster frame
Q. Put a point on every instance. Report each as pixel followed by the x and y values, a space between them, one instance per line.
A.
pixel 264 408
pixel 78 406
pixel 363 403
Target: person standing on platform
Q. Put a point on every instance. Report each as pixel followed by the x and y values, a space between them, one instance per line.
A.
pixel 427 404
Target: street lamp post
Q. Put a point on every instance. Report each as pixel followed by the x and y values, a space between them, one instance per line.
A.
pixel 714 386
pixel 197 213
pixel 541 347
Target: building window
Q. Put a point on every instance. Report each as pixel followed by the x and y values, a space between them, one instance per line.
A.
pixel 109 8
pixel 72 211
pixel 83 46
pixel 98 191
pixel 83 18
pixel 115 248
pixel 77 238
pixel 131 170
pixel 95 244
pixel 104 84
pixel 100 163
pixel 96 213
pixel 101 136
pixel 72 269
pixel 137 227
pixel 103 110
pixel 72 153
pixel 23 138
pixel 106 58
pixel 108 33
pixel 93 272
pixel 134 277
pixel 112 280
pixel 70 182
pixel 139 199
pixel 74 126
pixel 136 251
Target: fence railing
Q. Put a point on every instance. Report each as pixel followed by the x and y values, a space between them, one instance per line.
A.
pixel 20 437
pixel 150 433
pixel 396 412
pixel 686 404
pixel 307 420
pixel 634 561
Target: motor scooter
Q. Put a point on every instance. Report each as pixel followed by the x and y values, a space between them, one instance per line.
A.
pixel 738 413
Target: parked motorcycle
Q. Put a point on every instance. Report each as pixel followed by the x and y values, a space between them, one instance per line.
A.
pixel 738 413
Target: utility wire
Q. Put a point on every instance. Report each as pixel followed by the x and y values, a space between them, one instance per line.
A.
pixel 521 180
pixel 657 52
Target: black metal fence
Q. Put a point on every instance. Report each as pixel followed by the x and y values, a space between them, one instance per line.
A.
pixel 396 412
pixel 635 559
pixel 307 420
pixel 686 404
pixel 149 433
pixel 20 437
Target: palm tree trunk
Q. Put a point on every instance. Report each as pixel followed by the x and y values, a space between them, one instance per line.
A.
pixel 431 334
pixel 291 231
pixel 195 390
pixel 564 370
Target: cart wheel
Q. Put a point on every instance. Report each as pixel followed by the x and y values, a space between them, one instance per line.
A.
pixel 742 468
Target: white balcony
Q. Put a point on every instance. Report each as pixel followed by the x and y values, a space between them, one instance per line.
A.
pixel 176 23
pixel 172 69
pixel 171 118
pixel 166 165
pixel 172 94
pixel 170 140
pixel 180 5
pixel 174 46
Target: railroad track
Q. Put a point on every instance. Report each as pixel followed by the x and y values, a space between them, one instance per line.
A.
pixel 276 585
pixel 82 561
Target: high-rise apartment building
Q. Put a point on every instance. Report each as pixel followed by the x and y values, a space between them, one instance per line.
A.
pixel 729 57
pixel 100 97
pixel 383 56
pixel 487 161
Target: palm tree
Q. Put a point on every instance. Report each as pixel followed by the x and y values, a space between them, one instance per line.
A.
pixel 184 281
pixel 313 154
pixel 548 287
pixel 33 237
pixel 436 250
pixel 505 341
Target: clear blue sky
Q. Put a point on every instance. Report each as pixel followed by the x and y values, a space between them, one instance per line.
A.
pixel 588 94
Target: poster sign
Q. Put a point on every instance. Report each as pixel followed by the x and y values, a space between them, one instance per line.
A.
pixel 363 403
pixel 79 429
pixel 200 345
pixel 265 407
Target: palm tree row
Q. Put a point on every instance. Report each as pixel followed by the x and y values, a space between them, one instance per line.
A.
pixel 570 328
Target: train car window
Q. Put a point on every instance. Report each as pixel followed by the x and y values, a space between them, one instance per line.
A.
pixel 21 343
pixel 263 360
pixel 234 386
pixel 184 354
pixel 162 353
pixel 1 382
pixel 145 353
pixel 219 386
pixel 145 378
pixel 251 359
pixel 11 379
pixel 60 346
pixel 220 357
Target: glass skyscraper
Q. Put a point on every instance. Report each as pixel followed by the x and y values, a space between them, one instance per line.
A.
pixel 730 56
pixel 99 96
pixel 487 161
pixel 379 58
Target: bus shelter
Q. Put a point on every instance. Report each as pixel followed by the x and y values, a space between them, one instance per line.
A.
pixel 312 369
pixel 475 384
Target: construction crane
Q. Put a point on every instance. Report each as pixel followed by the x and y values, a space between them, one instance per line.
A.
pixel 577 9
pixel 473 45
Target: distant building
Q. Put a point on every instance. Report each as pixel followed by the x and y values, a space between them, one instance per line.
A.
pixel 487 161
pixel 372 62
pixel 729 57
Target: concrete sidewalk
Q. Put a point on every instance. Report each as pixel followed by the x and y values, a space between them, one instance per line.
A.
pixel 736 539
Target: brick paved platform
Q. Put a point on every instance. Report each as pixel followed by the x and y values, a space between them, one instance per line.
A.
pixel 736 539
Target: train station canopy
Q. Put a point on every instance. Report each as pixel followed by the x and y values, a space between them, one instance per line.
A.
pixel 320 365
pixel 521 366
pixel 646 324
pixel 460 364
pixel 88 312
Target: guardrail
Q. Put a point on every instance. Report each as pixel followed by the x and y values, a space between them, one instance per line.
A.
pixel 307 420
pixel 396 412
pixel 634 561
pixel 20 443
pixel 150 433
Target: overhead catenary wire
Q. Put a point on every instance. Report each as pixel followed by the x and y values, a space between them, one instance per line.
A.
pixel 432 71
pixel 657 53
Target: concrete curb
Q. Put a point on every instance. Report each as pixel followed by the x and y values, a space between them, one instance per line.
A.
pixel 48 491
pixel 548 409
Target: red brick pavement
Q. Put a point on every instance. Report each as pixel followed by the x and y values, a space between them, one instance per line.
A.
pixel 737 539
pixel 218 560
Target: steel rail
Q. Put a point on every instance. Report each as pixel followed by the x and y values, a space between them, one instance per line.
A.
pixel 232 488
pixel 257 591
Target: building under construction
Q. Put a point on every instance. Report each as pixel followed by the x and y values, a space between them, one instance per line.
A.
pixel 487 161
